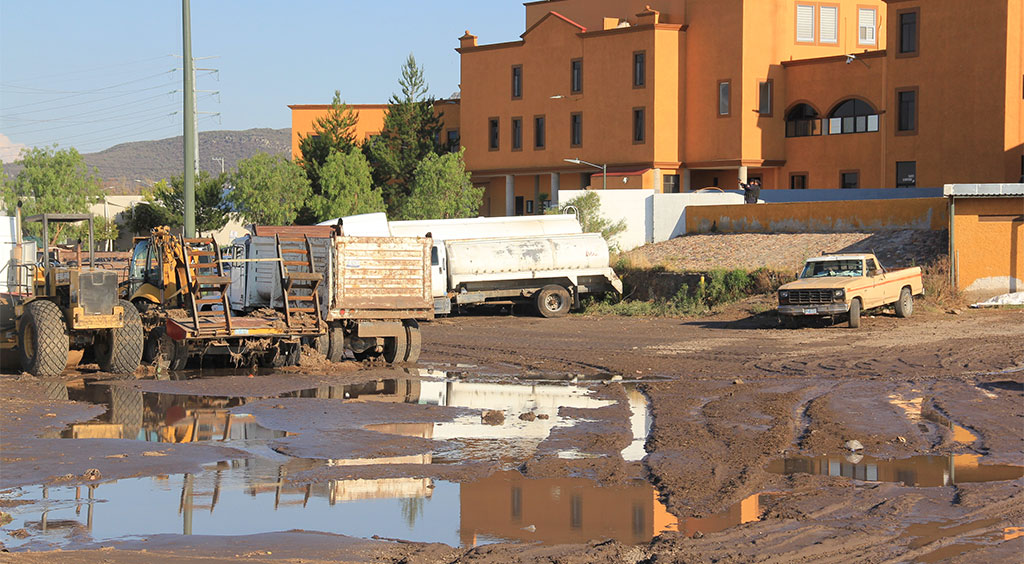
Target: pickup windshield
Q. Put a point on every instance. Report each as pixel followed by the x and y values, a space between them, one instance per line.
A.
pixel 823 268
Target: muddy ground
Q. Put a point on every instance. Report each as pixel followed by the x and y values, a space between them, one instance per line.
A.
pixel 742 413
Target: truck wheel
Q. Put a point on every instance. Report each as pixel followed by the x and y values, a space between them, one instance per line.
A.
pixel 171 354
pixel 395 348
pixel 791 321
pixel 43 339
pixel 335 343
pixel 414 340
pixel 905 306
pixel 126 409
pixel 120 350
pixel 552 301
pixel 855 313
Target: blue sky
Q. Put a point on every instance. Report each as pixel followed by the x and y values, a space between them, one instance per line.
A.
pixel 92 74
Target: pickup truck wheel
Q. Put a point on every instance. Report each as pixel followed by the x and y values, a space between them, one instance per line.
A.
pixel 395 348
pixel 855 313
pixel 791 321
pixel 414 340
pixel 552 301
pixel 905 306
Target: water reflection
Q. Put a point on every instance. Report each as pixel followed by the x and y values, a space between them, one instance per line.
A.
pixel 921 471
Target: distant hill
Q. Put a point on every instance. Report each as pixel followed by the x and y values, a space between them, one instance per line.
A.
pixel 149 161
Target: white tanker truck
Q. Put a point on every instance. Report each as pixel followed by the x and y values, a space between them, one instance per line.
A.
pixel 550 271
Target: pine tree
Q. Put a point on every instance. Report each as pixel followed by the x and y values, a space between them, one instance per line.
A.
pixel 332 133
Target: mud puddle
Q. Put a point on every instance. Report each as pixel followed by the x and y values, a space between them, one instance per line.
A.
pixel 917 471
pixel 254 494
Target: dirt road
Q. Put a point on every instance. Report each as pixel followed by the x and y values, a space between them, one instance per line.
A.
pixel 745 443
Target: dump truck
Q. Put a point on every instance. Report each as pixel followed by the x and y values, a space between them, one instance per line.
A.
pixel 181 286
pixel 57 306
pixel 376 290
pixel 551 272
pixel 848 284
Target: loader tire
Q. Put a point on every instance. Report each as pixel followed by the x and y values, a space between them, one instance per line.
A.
pixel 120 350
pixel 335 344
pixel 43 339
pixel 905 306
pixel 552 301
pixel 855 313
pixel 171 355
pixel 414 341
pixel 395 348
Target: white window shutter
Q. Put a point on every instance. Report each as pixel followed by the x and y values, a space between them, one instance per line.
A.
pixel 805 23
pixel 866 23
pixel 829 24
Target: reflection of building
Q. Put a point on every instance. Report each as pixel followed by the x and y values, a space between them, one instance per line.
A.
pixel 676 95
pixel 920 471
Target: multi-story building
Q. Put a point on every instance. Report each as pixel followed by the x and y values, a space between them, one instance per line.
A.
pixel 678 95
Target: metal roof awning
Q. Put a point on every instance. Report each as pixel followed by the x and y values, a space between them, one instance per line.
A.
pixel 983 190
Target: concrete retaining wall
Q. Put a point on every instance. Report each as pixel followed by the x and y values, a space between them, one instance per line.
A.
pixel 808 217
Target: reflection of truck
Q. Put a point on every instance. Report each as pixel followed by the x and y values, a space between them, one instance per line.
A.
pixel 66 306
pixel 376 289
pixel 848 284
pixel 550 271
pixel 181 287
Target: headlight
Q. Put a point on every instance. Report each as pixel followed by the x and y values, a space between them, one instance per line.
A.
pixel 839 295
pixel 784 294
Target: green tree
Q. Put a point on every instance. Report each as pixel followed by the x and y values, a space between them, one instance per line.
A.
pixel 346 188
pixel 144 216
pixel 441 189
pixel 52 181
pixel 332 133
pixel 411 132
pixel 211 209
pixel 588 207
pixel 104 230
pixel 268 189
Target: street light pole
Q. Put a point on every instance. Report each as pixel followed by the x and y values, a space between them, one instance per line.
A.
pixel 603 167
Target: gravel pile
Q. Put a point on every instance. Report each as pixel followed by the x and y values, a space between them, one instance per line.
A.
pixel 787 251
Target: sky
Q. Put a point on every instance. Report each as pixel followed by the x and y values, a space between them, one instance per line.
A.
pixel 93 74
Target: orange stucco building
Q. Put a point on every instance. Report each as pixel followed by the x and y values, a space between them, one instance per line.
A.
pixel 677 95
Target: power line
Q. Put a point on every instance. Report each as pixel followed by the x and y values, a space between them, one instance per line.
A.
pixel 91 69
pixel 164 85
pixel 93 91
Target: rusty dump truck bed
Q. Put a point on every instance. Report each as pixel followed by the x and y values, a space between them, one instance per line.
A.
pixel 380 278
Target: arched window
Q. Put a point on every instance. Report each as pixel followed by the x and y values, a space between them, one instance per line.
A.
pixel 852 116
pixel 802 121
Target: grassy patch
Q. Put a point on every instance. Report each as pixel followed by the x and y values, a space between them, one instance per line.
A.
pixel 938 291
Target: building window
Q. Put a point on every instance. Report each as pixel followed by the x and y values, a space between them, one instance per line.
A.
pixel 906 111
pixel 802 121
pixel 866 26
pixel 576 129
pixel 493 134
pixel 639 69
pixel 453 139
pixel 576 83
pixel 828 24
pixel 723 98
pixel 804 23
pixel 639 126
pixel 517 82
pixel 670 184
pixel 764 97
pixel 538 132
pixel 908 26
pixel 852 116
pixel 849 179
pixel 517 134
pixel 906 174
pixel 798 181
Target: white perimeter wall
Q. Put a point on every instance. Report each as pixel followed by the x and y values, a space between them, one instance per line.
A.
pixel 651 217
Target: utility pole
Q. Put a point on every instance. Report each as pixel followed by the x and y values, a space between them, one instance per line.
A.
pixel 221 161
pixel 191 135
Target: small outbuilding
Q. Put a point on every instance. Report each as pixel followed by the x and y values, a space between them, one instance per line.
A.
pixel 986 238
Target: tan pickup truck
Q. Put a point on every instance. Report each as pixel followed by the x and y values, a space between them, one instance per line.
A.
pixel 834 285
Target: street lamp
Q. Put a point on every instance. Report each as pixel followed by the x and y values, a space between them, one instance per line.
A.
pixel 603 167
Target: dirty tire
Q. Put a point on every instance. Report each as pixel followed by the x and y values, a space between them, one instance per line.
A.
pixel 414 341
pixel 142 305
pixel 905 305
pixel 120 350
pixel 151 348
pixel 321 344
pixel 126 410
pixel 171 355
pixel 395 348
pixel 855 313
pixel 43 339
pixel 552 301
pixel 791 322
pixel 335 344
